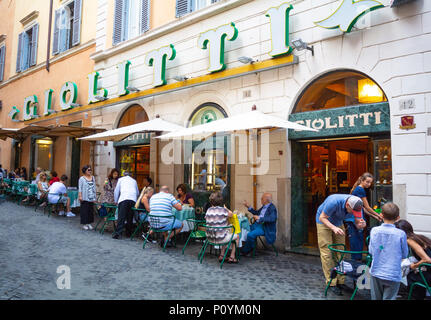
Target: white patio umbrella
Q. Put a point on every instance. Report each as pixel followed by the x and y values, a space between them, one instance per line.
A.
pixel 119 134
pixel 246 121
pixel 155 125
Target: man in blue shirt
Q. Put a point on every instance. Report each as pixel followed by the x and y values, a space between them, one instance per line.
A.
pixel 330 230
pixel 265 223
pixel 388 247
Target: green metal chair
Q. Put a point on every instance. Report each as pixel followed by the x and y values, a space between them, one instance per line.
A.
pixel 31 193
pixel 111 209
pixel 195 234
pixel 157 223
pixel 338 255
pixel 53 206
pixel 141 222
pixel 22 190
pixel 210 240
pixel 424 282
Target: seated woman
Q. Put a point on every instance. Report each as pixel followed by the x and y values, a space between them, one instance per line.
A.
pixel 217 216
pixel 421 249
pixel 144 202
pixel 183 196
pixel 42 187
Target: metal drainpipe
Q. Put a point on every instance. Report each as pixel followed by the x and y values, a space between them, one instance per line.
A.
pixel 49 35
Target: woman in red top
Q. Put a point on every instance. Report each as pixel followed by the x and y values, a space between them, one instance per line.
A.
pixel 54 178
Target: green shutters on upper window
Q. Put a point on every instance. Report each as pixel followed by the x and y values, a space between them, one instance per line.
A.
pixel 131 18
pixel 67 27
pixel 27 48
pixel 2 61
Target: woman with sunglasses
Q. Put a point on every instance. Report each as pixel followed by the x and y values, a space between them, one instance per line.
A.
pixel 87 197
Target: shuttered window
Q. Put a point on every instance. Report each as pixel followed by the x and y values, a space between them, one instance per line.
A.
pixel 145 16
pixel 184 7
pixel 27 48
pixel 67 27
pixel 131 18
pixel 2 61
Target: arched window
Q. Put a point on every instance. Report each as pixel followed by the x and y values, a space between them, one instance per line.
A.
pixel 134 114
pixel 205 113
pixel 339 89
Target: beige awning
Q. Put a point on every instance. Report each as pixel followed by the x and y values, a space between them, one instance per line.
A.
pixel 245 121
pixel 122 133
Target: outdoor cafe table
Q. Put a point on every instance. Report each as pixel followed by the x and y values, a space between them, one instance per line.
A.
pixel 73 195
pixel 183 215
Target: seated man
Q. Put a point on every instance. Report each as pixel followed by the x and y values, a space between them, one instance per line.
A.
pixel 161 204
pixel 266 215
pixel 54 192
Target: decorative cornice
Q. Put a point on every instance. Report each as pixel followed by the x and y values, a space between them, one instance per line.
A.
pixel 29 18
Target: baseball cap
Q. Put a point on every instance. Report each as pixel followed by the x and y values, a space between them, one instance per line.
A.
pixel 356 204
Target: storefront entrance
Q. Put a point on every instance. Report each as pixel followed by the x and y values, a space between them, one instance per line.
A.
pixel 136 160
pixel 352 116
pixel 133 153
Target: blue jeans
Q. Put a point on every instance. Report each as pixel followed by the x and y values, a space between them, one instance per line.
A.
pixel 256 229
pixel 356 240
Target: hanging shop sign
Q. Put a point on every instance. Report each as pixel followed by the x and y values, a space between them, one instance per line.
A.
pixel 354 120
pixel 213 41
pixel 133 140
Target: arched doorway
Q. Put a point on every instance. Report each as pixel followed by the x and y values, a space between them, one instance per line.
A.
pixel 209 168
pixel 352 114
pixel 133 153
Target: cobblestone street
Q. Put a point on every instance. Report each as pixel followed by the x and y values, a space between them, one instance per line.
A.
pixel 33 246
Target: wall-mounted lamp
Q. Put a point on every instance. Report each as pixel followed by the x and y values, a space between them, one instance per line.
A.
pixel 74 105
pixel 300 45
pixel 134 89
pixel 100 98
pixel 180 78
pixel 246 60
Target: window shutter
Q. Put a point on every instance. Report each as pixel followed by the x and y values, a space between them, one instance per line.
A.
pixel 33 45
pixel 76 36
pixel 118 22
pixel 145 15
pixel 55 42
pixel 2 57
pixel 25 51
pixel 183 7
pixel 19 52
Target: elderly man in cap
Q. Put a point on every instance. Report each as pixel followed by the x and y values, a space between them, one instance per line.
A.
pixel 265 220
pixel 330 229
pixel 125 194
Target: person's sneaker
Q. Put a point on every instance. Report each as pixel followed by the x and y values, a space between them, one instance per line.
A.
pixel 115 236
pixel 90 227
pixel 61 213
pixel 336 291
pixel 85 227
pixel 70 214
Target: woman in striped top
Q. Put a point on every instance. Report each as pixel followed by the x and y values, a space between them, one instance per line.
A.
pixel 217 216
